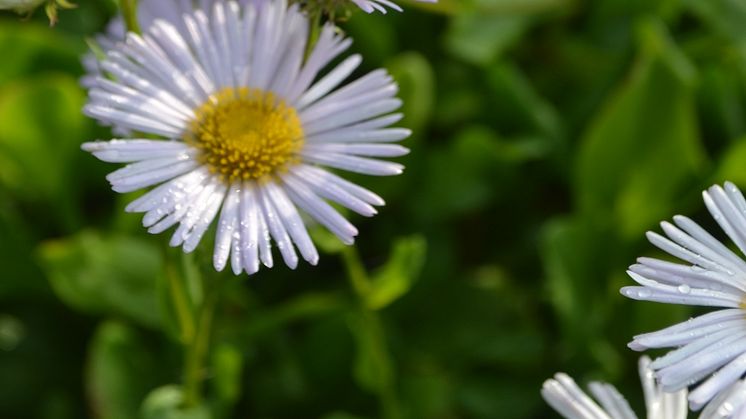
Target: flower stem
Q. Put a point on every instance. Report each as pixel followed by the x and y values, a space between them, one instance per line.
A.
pixel 129 12
pixel 197 349
pixel 361 284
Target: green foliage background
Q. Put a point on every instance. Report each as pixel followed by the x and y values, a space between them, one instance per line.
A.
pixel 549 135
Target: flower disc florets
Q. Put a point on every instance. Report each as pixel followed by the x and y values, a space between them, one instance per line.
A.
pixel 245 134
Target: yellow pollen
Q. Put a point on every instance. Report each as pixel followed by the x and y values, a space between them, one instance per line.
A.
pixel 245 134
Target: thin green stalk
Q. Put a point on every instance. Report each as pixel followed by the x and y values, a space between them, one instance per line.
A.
pixel 182 306
pixel 129 12
pixel 361 284
pixel 198 348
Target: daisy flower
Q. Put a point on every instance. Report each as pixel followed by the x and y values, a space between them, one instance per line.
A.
pixel 710 348
pixel 247 128
pixel 370 6
pixel 564 395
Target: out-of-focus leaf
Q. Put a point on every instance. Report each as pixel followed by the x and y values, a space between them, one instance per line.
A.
pixel 397 276
pixel 372 368
pixel 731 167
pixel 121 371
pixel 40 128
pixel 21 276
pixel 167 403
pixel 342 415
pixel 471 176
pixel 482 396
pixel 572 260
pixel 32 48
pixel 721 103
pixel 429 395
pixel 479 39
pixel 416 81
pixel 325 240
pixel 643 145
pixel 519 105
pixel 227 367
pixel 112 274
pixel 725 16
pixel 375 35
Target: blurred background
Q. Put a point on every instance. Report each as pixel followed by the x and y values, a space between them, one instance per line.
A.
pixel 549 135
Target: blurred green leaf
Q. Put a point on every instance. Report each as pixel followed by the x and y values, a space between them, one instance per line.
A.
pixel 725 16
pixel 643 145
pixel 40 130
pixel 372 369
pixel 480 39
pixel 731 166
pixel 397 276
pixel 21 275
pixel 105 274
pixel 166 403
pixel 121 371
pixel 519 105
pixel 34 48
pixel 325 240
pixel 416 81
pixel 472 174
pixel 572 258
pixel 341 415
pixel 227 362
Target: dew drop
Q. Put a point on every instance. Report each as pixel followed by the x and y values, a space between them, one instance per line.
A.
pixel 684 289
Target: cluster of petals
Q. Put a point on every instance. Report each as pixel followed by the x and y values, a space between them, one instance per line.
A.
pixel 710 350
pixel 154 83
pixel 564 395
pixel 370 6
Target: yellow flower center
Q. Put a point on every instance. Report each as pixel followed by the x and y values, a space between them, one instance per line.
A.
pixel 245 134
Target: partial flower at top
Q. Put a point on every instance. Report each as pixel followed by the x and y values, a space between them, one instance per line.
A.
pixel 570 401
pixel 148 11
pixel 710 348
pixel 370 6
pixel 246 129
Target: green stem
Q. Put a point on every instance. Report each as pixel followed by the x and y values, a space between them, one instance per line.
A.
pixel 181 303
pixel 361 284
pixel 129 12
pixel 197 349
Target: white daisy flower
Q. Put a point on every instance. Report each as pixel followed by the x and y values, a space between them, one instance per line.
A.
pixel 711 347
pixel 564 395
pixel 246 130
pixel 370 6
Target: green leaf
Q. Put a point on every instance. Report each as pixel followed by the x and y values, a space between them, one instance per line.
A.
pixel 571 261
pixel 105 275
pixel 167 403
pixel 41 127
pixel 416 79
pixel 643 147
pixel 36 49
pixel 396 277
pixel 480 39
pixel 227 367
pixel 120 371
pixel 731 165
pixel 372 369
